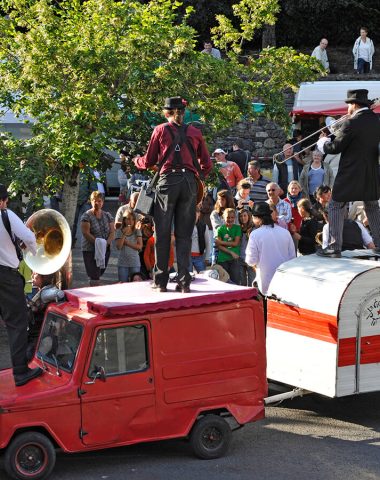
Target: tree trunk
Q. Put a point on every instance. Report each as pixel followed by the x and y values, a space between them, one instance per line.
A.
pixel 269 36
pixel 70 196
pixel 69 205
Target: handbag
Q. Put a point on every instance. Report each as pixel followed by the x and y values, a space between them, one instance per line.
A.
pixel 145 200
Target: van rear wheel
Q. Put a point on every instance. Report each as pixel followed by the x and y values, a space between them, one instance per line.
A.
pixel 31 455
pixel 210 437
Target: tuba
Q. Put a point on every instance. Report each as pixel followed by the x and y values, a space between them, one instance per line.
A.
pixel 53 236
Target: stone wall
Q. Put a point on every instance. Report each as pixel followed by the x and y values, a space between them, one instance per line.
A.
pixel 261 137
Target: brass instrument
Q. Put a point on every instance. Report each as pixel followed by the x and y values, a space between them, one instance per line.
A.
pixel 53 236
pixel 332 125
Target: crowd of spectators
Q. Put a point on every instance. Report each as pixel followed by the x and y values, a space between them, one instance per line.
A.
pixel 225 223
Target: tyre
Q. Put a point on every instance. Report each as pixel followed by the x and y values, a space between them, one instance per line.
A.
pixel 31 455
pixel 210 437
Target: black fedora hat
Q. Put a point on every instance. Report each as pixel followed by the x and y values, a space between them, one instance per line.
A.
pixel 359 96
pixel 3 192
pixel 174 103
pixel 261 209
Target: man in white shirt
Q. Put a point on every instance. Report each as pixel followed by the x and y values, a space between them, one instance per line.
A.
pixel 210 50
pixel 320 53
pixel 13 309
pixel 268 246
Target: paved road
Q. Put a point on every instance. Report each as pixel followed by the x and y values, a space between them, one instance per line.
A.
pixel 309 438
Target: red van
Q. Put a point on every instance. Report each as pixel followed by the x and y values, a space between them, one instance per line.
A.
pixel 123 365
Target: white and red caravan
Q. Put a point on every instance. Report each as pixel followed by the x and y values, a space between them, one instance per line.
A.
pixel 323 328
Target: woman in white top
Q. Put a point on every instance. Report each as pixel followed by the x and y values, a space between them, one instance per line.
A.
pixel 363 52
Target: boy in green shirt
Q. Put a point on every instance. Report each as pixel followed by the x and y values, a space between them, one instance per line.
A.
pixel 227 240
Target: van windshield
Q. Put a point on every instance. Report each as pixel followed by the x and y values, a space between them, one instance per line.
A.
pixel 59 342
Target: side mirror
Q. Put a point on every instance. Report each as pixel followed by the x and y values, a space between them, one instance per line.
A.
pixel 99 373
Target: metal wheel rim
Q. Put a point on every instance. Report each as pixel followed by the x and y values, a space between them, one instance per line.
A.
pixel 212 438
pixel 31 459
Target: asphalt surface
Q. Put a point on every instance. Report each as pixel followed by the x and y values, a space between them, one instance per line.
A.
pixel 311 438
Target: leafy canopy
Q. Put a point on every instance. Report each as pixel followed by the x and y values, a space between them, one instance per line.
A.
pixel 93 74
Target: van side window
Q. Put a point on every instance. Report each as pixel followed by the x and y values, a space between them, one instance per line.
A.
pixel 120 350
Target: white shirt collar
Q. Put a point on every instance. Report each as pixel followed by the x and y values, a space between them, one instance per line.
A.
pixel 360 110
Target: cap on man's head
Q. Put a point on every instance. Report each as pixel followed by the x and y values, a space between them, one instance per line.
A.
pixel 219 150
pixel 359 96
pixel 3 192
pixel 174 103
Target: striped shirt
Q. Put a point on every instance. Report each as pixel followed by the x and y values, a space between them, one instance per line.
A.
pixel 258 192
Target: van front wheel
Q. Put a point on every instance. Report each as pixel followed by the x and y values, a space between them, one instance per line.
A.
pixel 31 455
pixel 210 437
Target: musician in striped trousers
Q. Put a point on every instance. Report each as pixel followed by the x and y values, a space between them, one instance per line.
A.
pixel 358 174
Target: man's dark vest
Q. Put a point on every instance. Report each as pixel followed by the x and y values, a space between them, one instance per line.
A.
pixel 283 174
pixel 352 236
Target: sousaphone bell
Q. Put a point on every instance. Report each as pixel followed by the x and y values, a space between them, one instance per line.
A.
pixel 53 236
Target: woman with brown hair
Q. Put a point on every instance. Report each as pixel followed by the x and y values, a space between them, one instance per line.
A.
pixel 224 199
pixel 98 231
pixel 308 230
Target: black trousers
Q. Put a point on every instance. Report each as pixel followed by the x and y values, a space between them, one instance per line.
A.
pixel 176 198
pixel 92 270
pixel 13 311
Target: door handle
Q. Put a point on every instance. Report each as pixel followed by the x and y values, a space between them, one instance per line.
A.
pixel 150 380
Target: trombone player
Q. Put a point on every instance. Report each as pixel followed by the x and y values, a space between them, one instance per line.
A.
pixel 357 140
pixel 13 307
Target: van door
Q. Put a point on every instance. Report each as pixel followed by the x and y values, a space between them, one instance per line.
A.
pixel 117 391
pixel 368 358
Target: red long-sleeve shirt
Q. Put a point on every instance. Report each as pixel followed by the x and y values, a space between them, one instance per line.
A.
pixel 161 141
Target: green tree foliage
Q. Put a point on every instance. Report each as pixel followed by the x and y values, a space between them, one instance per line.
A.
pixel 94 73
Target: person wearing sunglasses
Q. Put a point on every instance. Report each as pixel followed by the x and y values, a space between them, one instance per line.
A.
pixel 283 208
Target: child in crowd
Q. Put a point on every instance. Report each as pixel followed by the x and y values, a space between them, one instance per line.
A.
pixel 200 245
pixel 227 240
pixel 146 227
pixel 247 273
pixel 224 200
pixel 150 258
pixel 128 241
pixel 309 228
pixel 26 272
pixel 137 277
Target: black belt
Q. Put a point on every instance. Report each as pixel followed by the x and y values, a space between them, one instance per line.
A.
pixel 9 269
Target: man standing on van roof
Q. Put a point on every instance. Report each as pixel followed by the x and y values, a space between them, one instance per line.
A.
pixel 320 53
pixel 183 155
pixel 358 174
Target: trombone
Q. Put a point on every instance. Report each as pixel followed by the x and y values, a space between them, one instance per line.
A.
pixel 331 124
